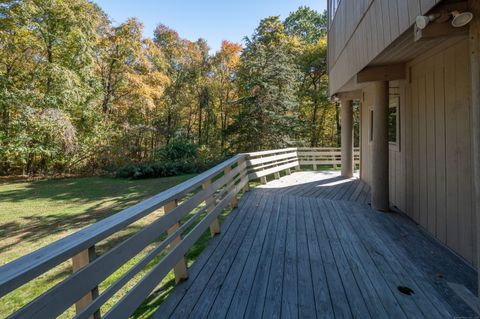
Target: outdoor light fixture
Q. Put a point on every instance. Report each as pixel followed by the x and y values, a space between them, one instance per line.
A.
pixel 423 21
pixel 461 19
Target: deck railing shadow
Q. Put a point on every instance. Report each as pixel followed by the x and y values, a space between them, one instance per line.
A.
pixel 190 209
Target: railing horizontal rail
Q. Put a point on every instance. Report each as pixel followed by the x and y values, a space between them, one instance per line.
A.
pixel 263 153
pixel 324 156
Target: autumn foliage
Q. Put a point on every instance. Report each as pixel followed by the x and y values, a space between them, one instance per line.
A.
pixel 79 94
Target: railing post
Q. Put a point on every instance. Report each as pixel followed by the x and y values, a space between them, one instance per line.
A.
pixel 180 268
pixel 234 203
pixel 277 175
pixel 288 171
pixel 297 168
pixel 78 262
pixel 215 226
pixel 263 180
pixel 246 188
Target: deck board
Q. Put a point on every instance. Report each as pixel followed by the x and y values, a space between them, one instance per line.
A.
pixel 273 299
pixel 309 246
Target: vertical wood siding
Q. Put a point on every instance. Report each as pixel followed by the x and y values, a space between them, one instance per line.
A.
pixel 430 174
pixel 362 29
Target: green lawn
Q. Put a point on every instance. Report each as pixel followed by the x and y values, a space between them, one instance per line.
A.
pixel 33 214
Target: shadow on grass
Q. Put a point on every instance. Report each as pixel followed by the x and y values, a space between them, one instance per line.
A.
pixel 85 189
pixel 107 195
pixel 35 228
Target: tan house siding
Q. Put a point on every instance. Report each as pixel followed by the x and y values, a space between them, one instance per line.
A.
pixel 362 29
pixel 430 174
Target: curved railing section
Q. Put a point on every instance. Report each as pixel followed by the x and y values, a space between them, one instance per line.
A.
pixel 190 209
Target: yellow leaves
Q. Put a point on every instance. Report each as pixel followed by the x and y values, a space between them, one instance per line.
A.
pixel 229 54
pixel 145 89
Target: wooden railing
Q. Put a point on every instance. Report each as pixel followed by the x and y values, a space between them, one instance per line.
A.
pixel 324 156
pixel 262 164
pixel 190 208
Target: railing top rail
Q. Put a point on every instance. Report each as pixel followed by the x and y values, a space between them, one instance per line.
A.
pixel 321 148
pixel 23 269
pixel 261 153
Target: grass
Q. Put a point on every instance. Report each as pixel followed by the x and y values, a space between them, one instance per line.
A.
pixel 34 214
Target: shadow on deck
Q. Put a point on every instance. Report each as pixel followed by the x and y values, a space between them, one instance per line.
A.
pixel 309 246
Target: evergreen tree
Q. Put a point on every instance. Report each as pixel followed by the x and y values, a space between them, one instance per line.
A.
pixel 268 81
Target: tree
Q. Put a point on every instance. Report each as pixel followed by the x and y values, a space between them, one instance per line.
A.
pixel 46 62
pixel 225 65
pixel 118 55
pixel 268 81
pixel 307 24
pixel 80 94
pixel 317 113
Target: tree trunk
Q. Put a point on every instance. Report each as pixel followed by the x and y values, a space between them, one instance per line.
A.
pixel 200 125
pixel 313 127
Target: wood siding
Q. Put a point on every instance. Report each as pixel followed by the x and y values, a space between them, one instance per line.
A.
pixel 362 29
pixel 430 174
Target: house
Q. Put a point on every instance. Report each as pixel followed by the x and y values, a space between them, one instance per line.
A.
pixel 414 68
pixel 306 243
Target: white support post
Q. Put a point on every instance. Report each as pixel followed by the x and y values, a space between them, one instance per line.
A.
pixel 347 138
pixel 380 185
pixel 474 7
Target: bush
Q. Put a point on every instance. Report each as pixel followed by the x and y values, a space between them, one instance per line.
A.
pixel 178 150
pixel 177 158
pixel 157 169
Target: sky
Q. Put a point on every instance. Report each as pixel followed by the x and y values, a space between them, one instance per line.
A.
pixel 213 20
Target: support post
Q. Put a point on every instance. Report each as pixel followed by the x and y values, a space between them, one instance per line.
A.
pixel 314 167
pixel 246 188
pixel 78 262
pixel 234 202
pixel 277 175
pixel 180 268
pixel 474 7
pixel 380 185
pixel 215 226
pixel 347 138
pixel 263 180
pixel 288 171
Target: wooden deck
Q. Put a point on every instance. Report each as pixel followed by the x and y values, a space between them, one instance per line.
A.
pixel 308 246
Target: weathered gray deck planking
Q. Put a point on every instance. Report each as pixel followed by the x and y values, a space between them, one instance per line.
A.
pixel 309 246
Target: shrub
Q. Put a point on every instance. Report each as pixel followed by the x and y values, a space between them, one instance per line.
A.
pixel 176 158
pixel 178 150
pixel 157 169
